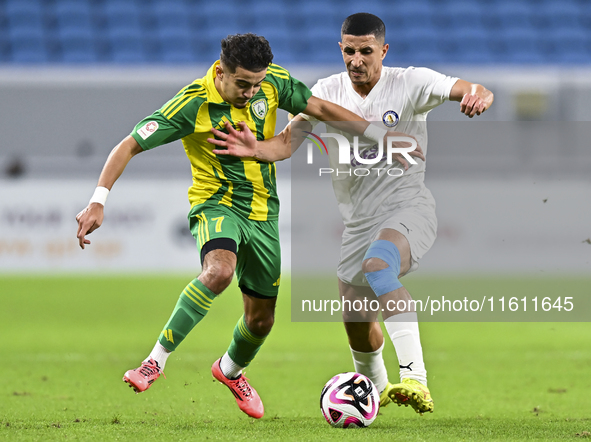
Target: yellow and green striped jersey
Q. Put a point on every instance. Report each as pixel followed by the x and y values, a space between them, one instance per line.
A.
pixel 243 184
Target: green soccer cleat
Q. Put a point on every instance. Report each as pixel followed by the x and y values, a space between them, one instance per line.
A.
pixel 384 398
pixel 413 393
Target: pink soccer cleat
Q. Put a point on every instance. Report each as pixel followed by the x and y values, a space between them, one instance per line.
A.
pixel 247 398
pixel 141 378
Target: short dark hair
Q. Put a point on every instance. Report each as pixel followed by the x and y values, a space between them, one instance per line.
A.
pixel 248 51
pixel 364 23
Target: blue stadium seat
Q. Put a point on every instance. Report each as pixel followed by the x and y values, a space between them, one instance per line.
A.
pixel 186 31
pixel 122 14
pixel 170 13
pixel 511 14
pixel 216 27
pixel 4 44
pixel 419 46
pixel 460 14
pixel 562 14
pixel 470 45
pixel 78 45
pixel 309 15
pixel 572 58
pixel 28 45
pixel 175 46
pixel 26 15
pixel 412 16
pixel 23 6
pixel 71 14
pixel 320 53
pixel 128 45
pixel 585 16
pixel 269 15
pixel 571 45
pixel 522 46
pixel 284 52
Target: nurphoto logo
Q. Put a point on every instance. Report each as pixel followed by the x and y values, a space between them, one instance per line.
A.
pixel 351 155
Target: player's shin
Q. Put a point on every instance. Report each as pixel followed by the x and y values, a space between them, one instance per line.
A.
pixel 403 330
pixel 244 347
pixel 193 304
pixel 371 364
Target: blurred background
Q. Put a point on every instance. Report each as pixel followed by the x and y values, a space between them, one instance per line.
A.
pixel 512 186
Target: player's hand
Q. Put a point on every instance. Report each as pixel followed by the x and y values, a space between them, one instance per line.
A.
pixel 472 104
pixel 239 143
pixel 418 152
pixel 89 220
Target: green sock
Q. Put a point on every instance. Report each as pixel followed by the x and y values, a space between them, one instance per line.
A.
pixel 245 344
pixel 192 306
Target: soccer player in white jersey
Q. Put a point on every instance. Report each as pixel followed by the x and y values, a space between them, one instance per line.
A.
pixel 389 220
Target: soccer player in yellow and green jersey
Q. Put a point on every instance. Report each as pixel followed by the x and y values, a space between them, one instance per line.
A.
pixel 234 204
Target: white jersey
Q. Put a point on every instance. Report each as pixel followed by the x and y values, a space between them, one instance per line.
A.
pixel 400 101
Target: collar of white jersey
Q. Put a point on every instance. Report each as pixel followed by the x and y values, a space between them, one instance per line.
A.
pixel 374 91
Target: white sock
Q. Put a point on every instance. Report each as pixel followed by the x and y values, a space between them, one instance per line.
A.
pixel 229 368
pixel 371 364
pixel 404 333
pixel 159 354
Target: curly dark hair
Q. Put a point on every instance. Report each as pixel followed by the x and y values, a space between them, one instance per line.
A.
pixel 249 51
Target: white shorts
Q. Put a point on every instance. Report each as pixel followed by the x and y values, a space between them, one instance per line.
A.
pixel 416 221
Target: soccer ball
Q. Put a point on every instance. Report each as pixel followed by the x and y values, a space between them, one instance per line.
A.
pixel 349 400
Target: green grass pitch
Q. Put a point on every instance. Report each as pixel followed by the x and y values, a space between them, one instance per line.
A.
pixel 66 342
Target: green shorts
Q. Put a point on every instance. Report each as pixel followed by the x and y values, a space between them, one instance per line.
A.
pixel 258 265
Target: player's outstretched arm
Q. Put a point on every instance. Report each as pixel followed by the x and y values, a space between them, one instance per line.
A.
pixel 92 216
pixel 352 123
pixel 339 117
pixel 242 143
pixel 474 98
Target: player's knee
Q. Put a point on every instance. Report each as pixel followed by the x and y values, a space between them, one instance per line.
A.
pixel 373 265
pixel 381 267
pixel 354 314
pixel 357 329
pixel 218 276
pixel 260 325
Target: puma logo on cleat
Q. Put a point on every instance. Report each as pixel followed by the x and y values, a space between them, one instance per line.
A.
pixel 407 366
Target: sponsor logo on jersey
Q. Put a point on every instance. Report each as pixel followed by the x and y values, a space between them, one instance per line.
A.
pixel 390 118
pixel 148 129
pixel 259 108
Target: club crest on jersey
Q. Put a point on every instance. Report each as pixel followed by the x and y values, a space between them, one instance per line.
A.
pixel 259 108
pixel 147 129
pixel 390 118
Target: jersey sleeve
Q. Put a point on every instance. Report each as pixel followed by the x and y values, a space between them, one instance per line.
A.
pixel 427 89
pixel 293 96
pixel 318 91
pixel 175 120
